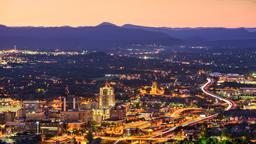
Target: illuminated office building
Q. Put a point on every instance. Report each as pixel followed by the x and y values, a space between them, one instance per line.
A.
pixel 106 96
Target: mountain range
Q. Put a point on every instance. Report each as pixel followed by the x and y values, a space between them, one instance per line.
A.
pixel 106 35
pixel 212 37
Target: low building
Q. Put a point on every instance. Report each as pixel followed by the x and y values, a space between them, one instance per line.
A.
pixel 117 113
pixel 35 116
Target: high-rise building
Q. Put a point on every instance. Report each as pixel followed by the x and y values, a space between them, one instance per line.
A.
pixel 106 96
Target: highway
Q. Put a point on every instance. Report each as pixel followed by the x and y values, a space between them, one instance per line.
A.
pixel 230 103
pixel 179 111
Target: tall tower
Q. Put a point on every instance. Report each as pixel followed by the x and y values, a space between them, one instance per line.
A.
pixel 106 96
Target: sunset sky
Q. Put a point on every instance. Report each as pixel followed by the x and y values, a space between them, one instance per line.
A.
pixel 168 13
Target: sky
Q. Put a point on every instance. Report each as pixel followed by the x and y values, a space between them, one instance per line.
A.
pixel 166 13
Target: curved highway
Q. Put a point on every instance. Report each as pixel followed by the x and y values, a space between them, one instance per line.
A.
pixel 230 103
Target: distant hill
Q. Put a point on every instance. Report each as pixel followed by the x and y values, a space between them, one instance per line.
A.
pixel 101 37
pixel 226 37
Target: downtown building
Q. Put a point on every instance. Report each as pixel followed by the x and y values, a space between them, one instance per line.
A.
pixel 106 101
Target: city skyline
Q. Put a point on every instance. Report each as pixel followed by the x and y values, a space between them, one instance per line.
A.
pixel 174 13
pixel 127 71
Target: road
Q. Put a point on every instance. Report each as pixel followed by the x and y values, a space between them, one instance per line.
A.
pixel 231 104
pixel 179 111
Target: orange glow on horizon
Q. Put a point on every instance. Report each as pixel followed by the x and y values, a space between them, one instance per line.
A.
pixel 168 13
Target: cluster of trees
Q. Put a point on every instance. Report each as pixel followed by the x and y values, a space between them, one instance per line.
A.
pixel 206 138
pixel 210 140
pixel 91 139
